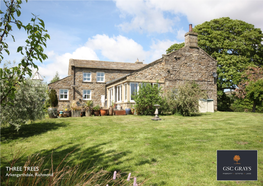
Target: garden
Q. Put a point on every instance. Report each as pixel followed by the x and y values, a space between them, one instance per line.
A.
pixel 174 151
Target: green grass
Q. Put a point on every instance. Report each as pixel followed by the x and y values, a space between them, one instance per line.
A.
pixel 174 151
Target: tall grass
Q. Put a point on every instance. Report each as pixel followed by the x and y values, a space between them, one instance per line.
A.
pixel 63 174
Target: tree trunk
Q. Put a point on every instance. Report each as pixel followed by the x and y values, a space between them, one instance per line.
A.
pixel 254 107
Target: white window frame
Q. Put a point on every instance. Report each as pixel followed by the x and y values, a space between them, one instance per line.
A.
pixel 87 77
pixel 62 92
pixel 119 96
pixel 125 92
pixel 97 75
pixel 111 96
pixel 86 94
pixel 137 86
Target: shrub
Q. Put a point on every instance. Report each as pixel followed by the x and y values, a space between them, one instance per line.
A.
pixel 147 97
pixel 53 98
pixel 185 99
pixel 27 104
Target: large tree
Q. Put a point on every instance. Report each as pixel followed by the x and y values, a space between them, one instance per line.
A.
pixel 234 44
pixel 251 86
pixel 33 49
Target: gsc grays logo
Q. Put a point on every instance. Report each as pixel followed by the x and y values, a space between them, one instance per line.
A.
pixel 237 165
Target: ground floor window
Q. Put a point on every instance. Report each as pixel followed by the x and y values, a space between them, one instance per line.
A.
pixel 134 89
pixel 63 94
pixel 86 94
pixel 118 93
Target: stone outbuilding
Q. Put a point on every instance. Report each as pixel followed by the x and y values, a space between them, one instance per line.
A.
pixel 114 82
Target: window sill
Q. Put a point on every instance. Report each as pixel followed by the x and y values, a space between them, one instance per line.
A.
pixel 101 82
pixel 87 82
pixel 63 100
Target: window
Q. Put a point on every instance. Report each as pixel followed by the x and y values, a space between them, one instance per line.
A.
pixel 118 93
pixel 87 77
pixel 63 94
pixel 86 95
pixel 100 77
pixel 125 91
pixel 111 98
pixel 134 89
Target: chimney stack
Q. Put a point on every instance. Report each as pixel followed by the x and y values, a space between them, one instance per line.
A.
pixel 191 38
pixel 138 62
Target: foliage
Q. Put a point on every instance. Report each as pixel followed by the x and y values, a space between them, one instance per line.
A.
pixel 174 47
pixel 37 37
pixel 185 99
pixel 89 103
pixel 251 86
pixel 245 105
pixel 235 44
pixel 55 78
pixel 147 97
pixel 53 98
pixel 26 105
pixel 97 107
pixel 224 101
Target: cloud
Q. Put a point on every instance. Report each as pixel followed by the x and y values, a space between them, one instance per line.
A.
pixel 60 62
pixel 145 17
pixel 159 47
pixel 198 12
pixel 117 48
pixel 148 15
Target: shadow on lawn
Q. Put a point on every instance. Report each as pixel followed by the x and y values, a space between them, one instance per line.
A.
pixel 85 158
pixel 28 130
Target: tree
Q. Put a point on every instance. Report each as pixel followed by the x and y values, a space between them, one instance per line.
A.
pixel 147 97
pixel 55 78
pixel 26 105
pixel 185 99
pixel 251 86
pixel 234 44
pixel 174 47
pixel 33 50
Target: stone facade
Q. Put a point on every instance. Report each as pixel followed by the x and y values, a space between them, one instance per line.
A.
pixel 189 63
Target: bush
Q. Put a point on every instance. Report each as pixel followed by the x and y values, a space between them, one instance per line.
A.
pixel 27 104
pixel 147 97
pixel 224 101
pixel 53 98
pixel 185 99
pixel 240 105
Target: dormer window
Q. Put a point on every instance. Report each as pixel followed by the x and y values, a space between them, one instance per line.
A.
pixel 100 77
pixel 86 77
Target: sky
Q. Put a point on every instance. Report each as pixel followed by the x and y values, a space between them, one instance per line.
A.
pixel 119 30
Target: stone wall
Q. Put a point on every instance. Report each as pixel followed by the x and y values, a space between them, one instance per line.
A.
pixel 64 83
pixel 191 64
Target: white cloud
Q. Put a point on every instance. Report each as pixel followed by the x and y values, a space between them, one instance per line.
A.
pixel 145 17
pixel 117 48
pixel 148 15
pixel 198 12
pixel 60 62
pixel 159 47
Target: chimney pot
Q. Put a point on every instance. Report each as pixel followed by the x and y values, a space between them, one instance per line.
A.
pixel 190 28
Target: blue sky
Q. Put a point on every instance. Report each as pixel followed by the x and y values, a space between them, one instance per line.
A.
pixel 120 30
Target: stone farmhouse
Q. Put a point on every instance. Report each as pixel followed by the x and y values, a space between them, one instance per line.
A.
pixel 106 82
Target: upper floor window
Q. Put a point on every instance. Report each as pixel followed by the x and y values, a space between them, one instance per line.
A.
pixel 87 76
pixel 100 77
pixel 63 94
pixel 86 95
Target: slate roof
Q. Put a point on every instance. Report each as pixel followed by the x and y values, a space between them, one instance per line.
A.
pixel 104 64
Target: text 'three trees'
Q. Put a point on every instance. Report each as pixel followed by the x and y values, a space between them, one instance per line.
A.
pixel 33 49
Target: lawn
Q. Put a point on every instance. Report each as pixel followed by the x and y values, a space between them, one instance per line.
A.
pixel 174 151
